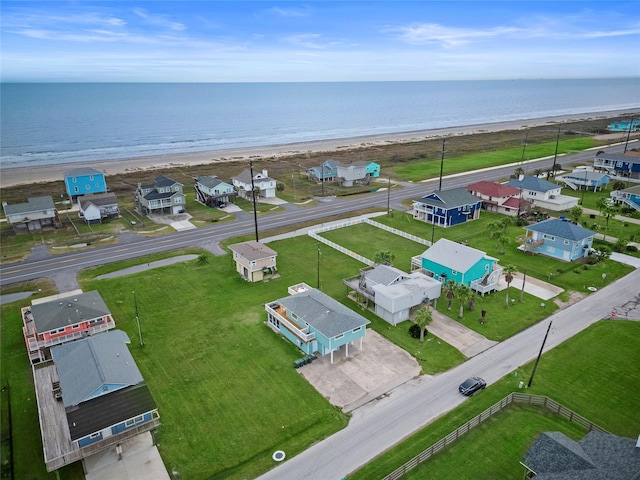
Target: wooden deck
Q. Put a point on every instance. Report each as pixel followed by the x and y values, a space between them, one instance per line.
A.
pixel 57 446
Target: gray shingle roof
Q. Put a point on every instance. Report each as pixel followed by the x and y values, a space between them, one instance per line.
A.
pixel 84 366
pixel 456 197
pixel 252 250
pixel 33 204
pixel 561 228
pixel 210 181
pixel 598 456
pixel 534 184
pixel 323 313
pixel 585 175
pixel 453 255
pixel 99 200
pixel 68 311
pixel 82 172
pixel 384 274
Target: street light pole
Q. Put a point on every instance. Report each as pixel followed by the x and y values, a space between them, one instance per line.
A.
pixel 389 195
pixel 135 302
pixel 539 354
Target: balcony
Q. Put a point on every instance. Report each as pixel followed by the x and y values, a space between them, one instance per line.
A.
pixel 280 313
pixel 530 242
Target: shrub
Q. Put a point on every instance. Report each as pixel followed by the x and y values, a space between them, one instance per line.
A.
pixel 414 331
pixel 631 248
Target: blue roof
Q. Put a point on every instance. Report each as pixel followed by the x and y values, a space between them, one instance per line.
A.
pixel 561 228
pixel 452 198
pixel 533 183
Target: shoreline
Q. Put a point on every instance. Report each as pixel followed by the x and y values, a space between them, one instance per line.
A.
pixel 48 173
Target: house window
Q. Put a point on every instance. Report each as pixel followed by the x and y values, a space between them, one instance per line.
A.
pixel 139 418
pixel 337 337
pixel 87 187
pixel 252 263
pixel 95 435
pixel 130 423
pixel 179 200
pixel 566 242
pixel 75 189
pixel 356 329
pixel 454 272
pixel 75 326
pixel 74 180
pixel 91 178
pixel 548 237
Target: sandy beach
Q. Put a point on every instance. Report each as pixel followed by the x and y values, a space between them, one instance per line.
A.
pixel 23 175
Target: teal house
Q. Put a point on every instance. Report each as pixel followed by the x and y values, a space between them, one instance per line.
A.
pixel 315 322
pixel 446 260
pixel 84 181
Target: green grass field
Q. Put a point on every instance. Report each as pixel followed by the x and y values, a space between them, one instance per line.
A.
pixel 224 382
pixel 593 373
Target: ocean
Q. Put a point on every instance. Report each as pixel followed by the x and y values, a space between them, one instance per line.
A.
pixel 44 124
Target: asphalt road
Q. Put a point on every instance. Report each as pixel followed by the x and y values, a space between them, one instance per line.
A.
pixel 62 268
pixel 379 425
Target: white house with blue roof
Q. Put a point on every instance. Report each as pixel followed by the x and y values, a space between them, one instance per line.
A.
pixel 556 238
pixel 315 322
pixel 542 193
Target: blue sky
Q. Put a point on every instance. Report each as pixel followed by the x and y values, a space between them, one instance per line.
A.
pixel 255 41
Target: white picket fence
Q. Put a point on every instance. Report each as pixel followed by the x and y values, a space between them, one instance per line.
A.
pixel 315 234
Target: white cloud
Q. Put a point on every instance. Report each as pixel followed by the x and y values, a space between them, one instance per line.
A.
pixel 289 12
pixel 161 21
pixel 308 40
pixel 418 34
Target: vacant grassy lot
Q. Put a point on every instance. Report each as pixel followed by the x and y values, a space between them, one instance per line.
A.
pixel 591 374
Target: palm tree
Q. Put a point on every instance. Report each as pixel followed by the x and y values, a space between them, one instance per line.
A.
pixel 503 240
pixel 493 227
pixel 575 213
pixel 450 292
pixel 472 301
pixel 518 171
pixel 505 222
pixel 383 256
pixel 423 318
pixel 463 293
pixel 508 271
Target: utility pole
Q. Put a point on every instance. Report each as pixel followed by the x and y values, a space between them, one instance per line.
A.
pixel 524 145
pixel 389 195
pixel 135 302
pixel 253 195
pixel 555 155
pixel 539 355
pixel 319 254
pixel 628 134
pixel 441 164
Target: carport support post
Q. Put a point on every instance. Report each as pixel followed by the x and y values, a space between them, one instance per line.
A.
pixel 539 354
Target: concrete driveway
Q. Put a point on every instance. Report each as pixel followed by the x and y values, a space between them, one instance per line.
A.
pixel 139 460
pixel 364 375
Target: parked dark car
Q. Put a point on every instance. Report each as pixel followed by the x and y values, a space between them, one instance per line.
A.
pixel 471 386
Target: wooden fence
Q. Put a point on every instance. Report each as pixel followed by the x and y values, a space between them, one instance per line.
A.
pixel 522 398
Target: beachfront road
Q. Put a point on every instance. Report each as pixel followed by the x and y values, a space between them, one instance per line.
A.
pixel 63 267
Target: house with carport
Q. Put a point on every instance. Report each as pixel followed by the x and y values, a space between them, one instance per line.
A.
pixel 316 323
pixel 254 260
pixel 345 174
pixel 447 208
pixel 91 397
pixel 542 193
pixel 35 215
pixel 625 165
pixel 394 292
pixel 46 324
pixel 499 198
pixel 447 260
pixel 629 196
pixel 95 208
pixel 84 181
pixel 164 195
pixel 557 238
pixel 584 179
pixel 213 192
